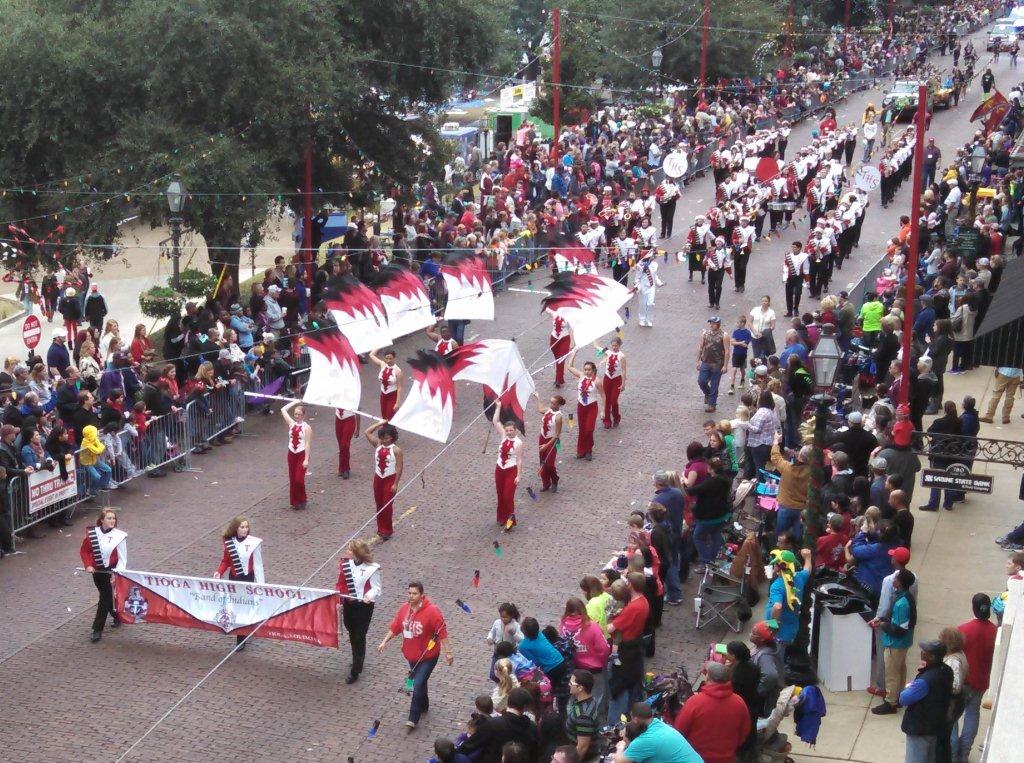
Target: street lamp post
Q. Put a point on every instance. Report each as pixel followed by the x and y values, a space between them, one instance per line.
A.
pixel 656 58
pixel 825 360
pixel 175 193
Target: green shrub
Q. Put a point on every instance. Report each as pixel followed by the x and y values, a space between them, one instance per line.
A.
pixel 161 302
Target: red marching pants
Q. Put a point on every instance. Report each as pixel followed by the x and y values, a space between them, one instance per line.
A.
pixel 586 417
pixel 387 404
pixel 71 328
pixel 559 348
pixel 612 388
pixel 505 486
pixel 548 473
pixel 383 497
pixel 296 478
pixel 343 431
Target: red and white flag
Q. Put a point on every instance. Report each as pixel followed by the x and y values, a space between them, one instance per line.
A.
pixel 359 313
pixel 288 613
pixel 589 303
pixel 469 287
pixel 405 300
pixel 575 258
pixel 429 405
pixel 333 370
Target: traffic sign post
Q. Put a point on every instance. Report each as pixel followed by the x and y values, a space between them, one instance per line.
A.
pixel 31 331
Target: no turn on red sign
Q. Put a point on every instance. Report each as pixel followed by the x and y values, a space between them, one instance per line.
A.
pixel 31 332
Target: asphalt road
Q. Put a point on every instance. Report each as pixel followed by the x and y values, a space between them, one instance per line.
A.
pixel 66 700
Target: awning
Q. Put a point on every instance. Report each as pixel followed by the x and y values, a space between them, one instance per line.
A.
pixel 999 340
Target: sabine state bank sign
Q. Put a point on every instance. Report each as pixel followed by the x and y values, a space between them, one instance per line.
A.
pixel 957 477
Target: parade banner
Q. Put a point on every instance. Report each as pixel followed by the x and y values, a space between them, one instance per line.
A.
pixel 45 487
pixel 306 615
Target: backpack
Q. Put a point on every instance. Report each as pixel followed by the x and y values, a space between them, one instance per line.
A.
pixel 566 646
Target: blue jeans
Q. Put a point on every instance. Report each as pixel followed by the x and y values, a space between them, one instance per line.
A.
pixel 947 503
pixel 99 475
pixel 420 673
pixel 619 704
pixel 920 749
pixel 960 744
pixel 673 587
pixel 708 540
pixel 760 455
pixel 708 379
pixel 788 520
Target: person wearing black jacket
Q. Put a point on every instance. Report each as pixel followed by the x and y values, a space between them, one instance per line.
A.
pixel 856 442
pixel 60 446
pixel 948 423
pixel 746 676
pixel 493 733
pixel 84 416
pixel 9 467
pixel 710 511
pixel 887 347
pixel 67 394
pixel 158 403
pixel 927 701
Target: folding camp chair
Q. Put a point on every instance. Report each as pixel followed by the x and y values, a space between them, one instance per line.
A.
pixel 721 597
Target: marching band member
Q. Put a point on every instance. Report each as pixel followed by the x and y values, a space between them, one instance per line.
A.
pixel 507 469
pixel 104 548
pixel 783 139
pixel 743 244
pixel 794 271
pixel 698 241
pixel 559 342
pixel 242 559
pixel 646 283
pixel 667 194
pixel 588 393
pixel 387 473
pixel 625 250
pixel 345 428
pixel 444 344
pixel 645 233
pixel 613 381
pixel 391 377
pixel 717 263
pixel 300 440
pixel 550 434
pixel 359 584
pixel 592 237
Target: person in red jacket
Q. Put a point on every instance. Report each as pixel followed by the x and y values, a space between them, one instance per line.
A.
pixel 104 548
pixel 424 632
pixel 715 720
pixel 979 646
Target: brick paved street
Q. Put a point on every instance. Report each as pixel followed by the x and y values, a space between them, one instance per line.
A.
pixel 64 696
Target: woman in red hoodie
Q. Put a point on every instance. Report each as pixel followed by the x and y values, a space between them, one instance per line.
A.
pixel 591 648
pixel 715 720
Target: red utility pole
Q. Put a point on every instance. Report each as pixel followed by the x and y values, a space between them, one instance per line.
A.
pixel 846 26
pixel 910 289
pixel 306 256
pixel 556 78
pixel 705 29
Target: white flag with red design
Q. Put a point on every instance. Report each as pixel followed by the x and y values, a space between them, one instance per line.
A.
pixel 359 313
pixel 589 303
pixel 574 257
pixel 333 370
pixel 405 300
pixel 468 282
pixel 429 405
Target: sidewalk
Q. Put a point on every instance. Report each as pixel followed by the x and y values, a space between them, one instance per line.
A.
pixel 955 557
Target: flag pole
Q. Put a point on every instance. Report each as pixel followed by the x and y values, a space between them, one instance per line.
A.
pixel 306 402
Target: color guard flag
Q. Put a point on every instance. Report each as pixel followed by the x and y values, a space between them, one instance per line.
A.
pixel 589 303
pixel 575 258
pixel 468 282
pixel 405 300
pixel 498 365
pixel 429 405
pixel 995 101
pixel 359 313
pixel 333 370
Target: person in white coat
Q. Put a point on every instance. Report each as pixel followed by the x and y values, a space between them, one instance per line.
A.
pixel 359 583
pixel 646 283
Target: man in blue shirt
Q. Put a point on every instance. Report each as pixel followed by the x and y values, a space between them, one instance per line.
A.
pixel 793 347
pixel 925 320
pixel 665 494
pixel 659 742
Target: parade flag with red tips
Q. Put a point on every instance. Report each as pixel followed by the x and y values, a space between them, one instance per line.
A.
pixel 468 282
pixel 498 365
pixel 405 300
pixel 589 303
pixel 429 406
pixel 359 313
pixel 333 370
pixel 574 258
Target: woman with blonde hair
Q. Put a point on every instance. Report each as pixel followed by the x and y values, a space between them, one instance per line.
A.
pixel 359 584
pixel 88 365
pixel 103 549
pixel 111 330
pixel 953 640
pixel 507 681
pixel 242 559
